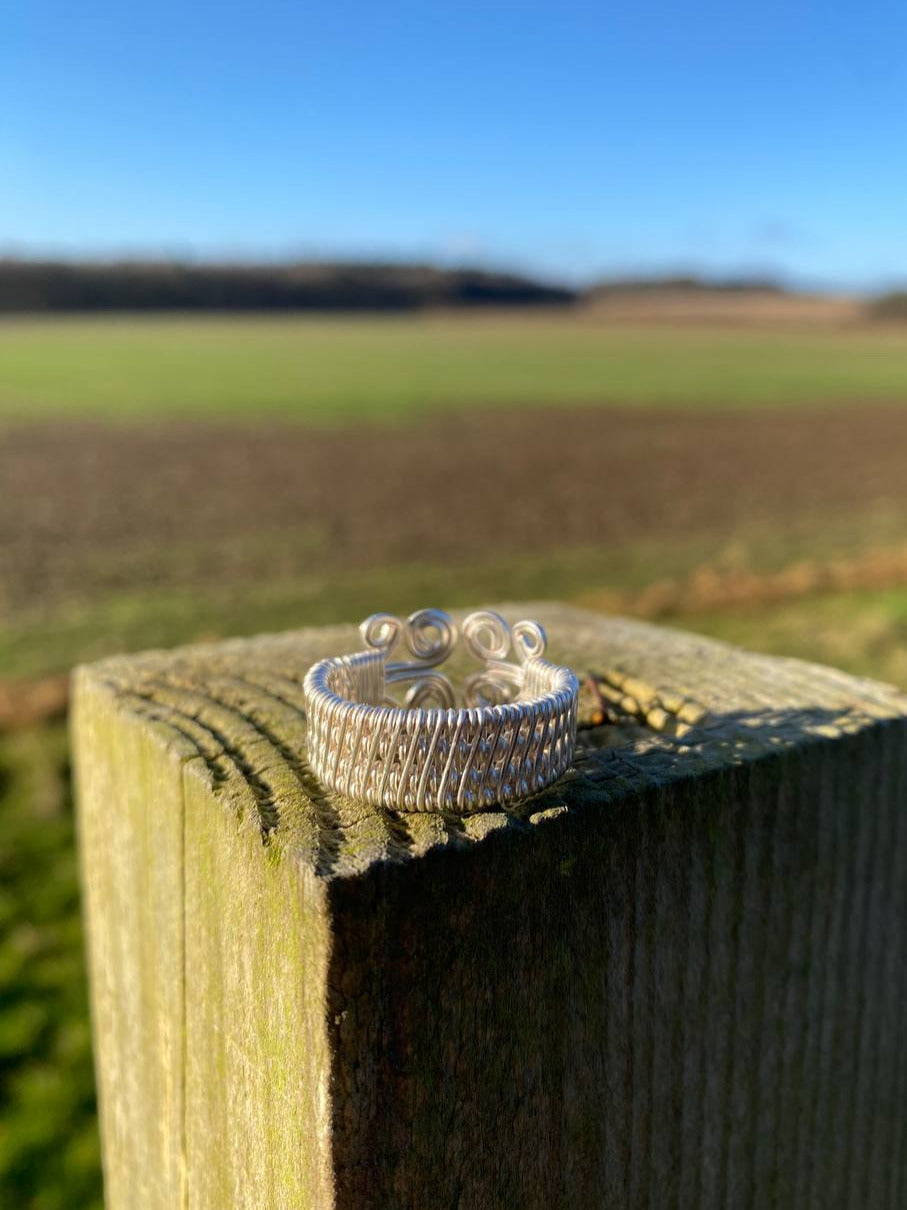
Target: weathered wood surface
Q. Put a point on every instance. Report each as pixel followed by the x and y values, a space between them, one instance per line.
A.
pixel 676 979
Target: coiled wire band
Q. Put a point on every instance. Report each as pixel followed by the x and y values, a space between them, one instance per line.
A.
pixel 513 736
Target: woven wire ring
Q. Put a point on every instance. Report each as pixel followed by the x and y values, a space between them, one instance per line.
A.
pixel 513 735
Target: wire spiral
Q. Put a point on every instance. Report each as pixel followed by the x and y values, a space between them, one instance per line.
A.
pixel 514 734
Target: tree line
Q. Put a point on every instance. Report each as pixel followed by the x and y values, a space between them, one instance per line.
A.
pixel 29 285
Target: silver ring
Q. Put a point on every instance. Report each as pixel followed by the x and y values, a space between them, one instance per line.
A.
pixel 513 735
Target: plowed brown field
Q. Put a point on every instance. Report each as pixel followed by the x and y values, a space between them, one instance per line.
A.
pixel 88 510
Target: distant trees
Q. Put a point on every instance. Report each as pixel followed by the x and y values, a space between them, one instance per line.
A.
pixel 157 285
pixel 683 284
pixel 889 306
pixel 153 286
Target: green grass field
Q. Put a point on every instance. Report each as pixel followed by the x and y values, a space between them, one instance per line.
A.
pixel 330 370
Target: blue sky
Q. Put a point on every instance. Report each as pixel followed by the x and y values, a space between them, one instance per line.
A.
pixel 571 139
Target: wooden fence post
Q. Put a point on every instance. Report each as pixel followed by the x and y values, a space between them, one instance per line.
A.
pixel 677 979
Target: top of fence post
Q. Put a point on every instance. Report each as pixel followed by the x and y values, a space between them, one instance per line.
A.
pixel 625 987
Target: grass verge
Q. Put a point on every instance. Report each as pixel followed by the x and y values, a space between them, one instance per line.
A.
pixel 49 1150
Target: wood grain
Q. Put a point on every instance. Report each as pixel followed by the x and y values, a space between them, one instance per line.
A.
pixel 675 979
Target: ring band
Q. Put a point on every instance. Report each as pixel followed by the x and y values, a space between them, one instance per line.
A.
pixel 514 734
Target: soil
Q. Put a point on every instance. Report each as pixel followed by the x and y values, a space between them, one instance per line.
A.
pixel 85 510
pixel 728 308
